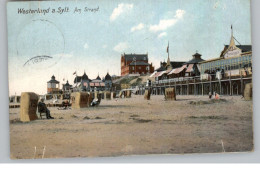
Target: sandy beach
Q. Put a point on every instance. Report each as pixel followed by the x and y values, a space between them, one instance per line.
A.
pixel 135 126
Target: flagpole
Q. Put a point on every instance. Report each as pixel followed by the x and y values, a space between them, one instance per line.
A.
pixel 168 51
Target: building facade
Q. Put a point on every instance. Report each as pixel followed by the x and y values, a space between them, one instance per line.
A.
pixel 226 75
pixel 135 64
pixel 53 86
pixel 83 83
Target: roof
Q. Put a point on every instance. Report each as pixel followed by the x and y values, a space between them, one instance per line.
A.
pixel 189 69
pixel 139 63
pixel 67 83
pixel 138 57
pixel 77 79
pixel 84 76
pixel 195 61
pixel 176 64
pixel 108 77
pixel 53 80
pixel 244 48
pixel 178 70
pixel 161 68
pixel 98 78
pixel 161 73
pixel 156 74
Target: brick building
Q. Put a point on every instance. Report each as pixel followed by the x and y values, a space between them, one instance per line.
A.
pixel 135 64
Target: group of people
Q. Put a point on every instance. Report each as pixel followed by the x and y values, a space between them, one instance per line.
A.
pixel 215 94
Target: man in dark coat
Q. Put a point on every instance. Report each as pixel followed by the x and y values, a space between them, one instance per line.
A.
pixel 43 108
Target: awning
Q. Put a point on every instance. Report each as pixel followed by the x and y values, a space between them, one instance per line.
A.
pixel 157 74
pixel 153 74
pixel 96 84
pixel 189 69
pixel 180 69
pixel 172 71
pixel 102 84
pixel 161 73
pixel 92 84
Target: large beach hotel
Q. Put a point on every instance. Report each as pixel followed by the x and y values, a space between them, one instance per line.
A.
pixel 227 75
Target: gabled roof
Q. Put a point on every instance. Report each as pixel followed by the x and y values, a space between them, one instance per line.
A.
pixel 244 48
pixel 98 78
pixel 108 77
pixel 138 57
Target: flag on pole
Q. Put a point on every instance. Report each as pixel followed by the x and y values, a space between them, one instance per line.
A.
pixel 74 73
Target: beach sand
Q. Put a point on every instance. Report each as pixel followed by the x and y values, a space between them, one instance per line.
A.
pixel 135 126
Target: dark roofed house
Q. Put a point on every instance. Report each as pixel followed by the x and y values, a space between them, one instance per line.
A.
pixel 174 64
pixel 66 87
pixel 98 78
pixel 83 83
pixel 135 64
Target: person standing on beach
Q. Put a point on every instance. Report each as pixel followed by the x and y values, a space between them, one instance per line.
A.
pixel 210 95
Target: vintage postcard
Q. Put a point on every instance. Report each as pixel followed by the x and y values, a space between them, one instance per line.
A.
pixel 112 78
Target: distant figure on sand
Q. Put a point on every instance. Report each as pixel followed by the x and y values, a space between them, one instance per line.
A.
pixel 210 95
pixel 216 96
pixel 43 108
pixel 95 102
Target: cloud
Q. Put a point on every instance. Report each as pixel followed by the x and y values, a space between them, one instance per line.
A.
pixel 179 13
pixel 104 46
pixel 86 46
pixel 119 10
pixel 166 23
pixel 120 47
pixel 163 34
pixel 138 27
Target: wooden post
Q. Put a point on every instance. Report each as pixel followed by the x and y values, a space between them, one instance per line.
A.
pixel 194 87
pixel 220 87
pixel 202 89
pixel 230 86
pixel 210 87
pixel 241 84
pixel 187 87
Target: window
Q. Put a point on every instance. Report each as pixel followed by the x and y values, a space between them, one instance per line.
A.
pixel 133 68
pixel 139 68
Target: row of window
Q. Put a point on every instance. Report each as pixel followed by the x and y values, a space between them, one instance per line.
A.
pixel 133 68
pixel 227 64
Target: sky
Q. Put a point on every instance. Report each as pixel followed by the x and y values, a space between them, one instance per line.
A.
pixel 93 41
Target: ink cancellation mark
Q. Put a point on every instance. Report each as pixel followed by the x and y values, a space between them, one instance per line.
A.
pixel 37 60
